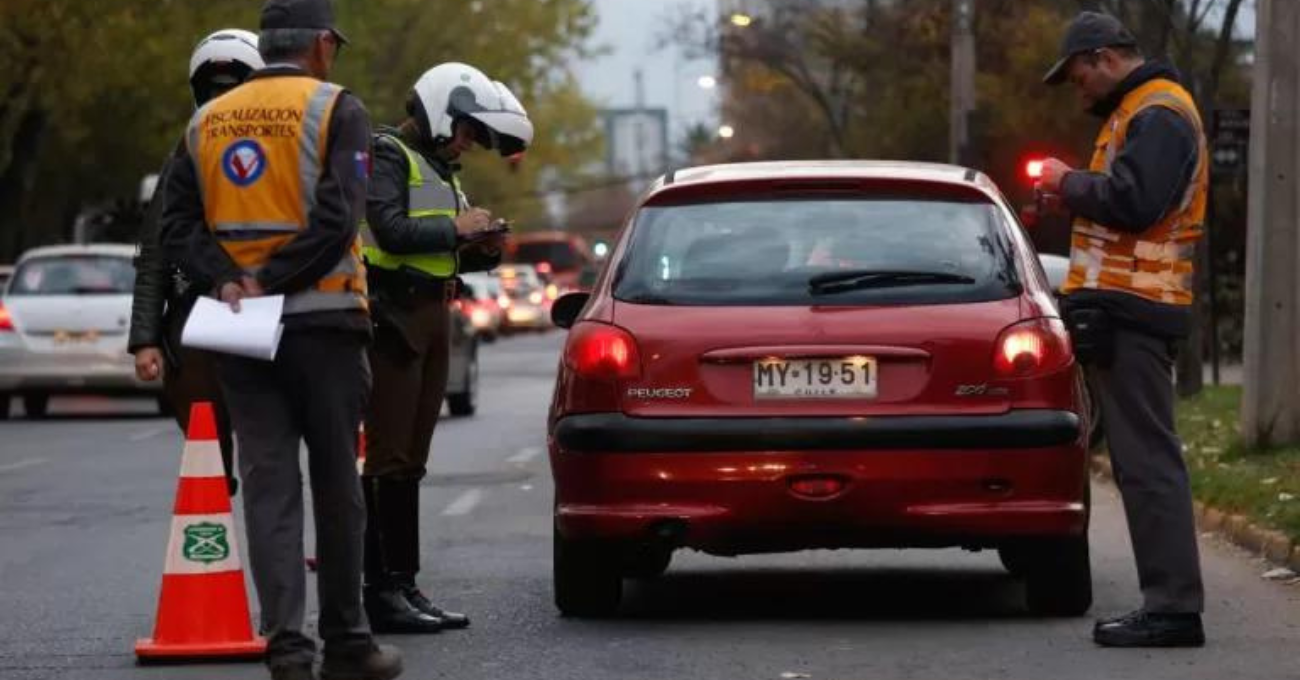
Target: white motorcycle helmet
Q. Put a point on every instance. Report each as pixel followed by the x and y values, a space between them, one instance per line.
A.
pixel 221 61
pixel 452 91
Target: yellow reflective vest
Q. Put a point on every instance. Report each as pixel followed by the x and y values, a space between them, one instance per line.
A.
pixel 259 152
pixel 428 195
pixel 1157 263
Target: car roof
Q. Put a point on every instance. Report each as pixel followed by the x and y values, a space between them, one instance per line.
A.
pixel 112 249
pixel 826 169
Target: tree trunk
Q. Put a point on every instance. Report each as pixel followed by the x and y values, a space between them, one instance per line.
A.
pixel 16 183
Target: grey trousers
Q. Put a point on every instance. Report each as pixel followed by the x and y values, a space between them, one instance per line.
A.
pixel 314 391
pixel 1137 403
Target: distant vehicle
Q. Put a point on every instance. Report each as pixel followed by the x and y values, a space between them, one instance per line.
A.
pixel 558 256
pixel 523 298
pixel 6 272
pixel 479 301
pixel 807 355
pixel 462 365
pixel 64 317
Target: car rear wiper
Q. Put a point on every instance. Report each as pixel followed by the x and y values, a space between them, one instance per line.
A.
pixel 838 282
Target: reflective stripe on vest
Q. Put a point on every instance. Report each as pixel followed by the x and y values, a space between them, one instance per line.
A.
pixel 258 152
pixel 1156 264
pixel 427 196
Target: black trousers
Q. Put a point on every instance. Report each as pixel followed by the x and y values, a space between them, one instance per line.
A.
pixel 1137 403
pixel 314 392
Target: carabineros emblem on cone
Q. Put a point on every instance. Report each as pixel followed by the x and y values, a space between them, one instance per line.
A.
pixel 205 542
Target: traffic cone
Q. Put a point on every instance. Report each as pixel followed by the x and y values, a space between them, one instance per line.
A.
pixel 202 607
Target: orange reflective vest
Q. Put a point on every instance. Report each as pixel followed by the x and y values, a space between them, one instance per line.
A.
pixel 1157 263
pixel 259 152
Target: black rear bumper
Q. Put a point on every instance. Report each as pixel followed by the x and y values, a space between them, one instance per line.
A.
pixel 617 433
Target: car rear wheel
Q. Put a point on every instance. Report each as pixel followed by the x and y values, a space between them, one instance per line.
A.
pixel 647 562
pixel 587 578
pixel 36 405
pixel 5 400
pixel 466 403
pixel 1058 577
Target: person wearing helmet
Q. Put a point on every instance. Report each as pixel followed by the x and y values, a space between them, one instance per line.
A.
pixel 163 295
pixel 421 232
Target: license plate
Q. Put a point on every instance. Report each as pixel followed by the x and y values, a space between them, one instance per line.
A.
pixel 839 378
pixel 64 338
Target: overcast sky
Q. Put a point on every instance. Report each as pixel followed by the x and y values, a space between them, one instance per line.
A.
pixel 630 29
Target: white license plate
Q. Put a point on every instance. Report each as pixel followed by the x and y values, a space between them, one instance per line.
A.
pixel 839 378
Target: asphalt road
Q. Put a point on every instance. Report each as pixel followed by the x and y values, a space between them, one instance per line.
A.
pixel 85 499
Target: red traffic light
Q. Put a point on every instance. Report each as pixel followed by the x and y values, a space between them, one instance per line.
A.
pixel 1034 168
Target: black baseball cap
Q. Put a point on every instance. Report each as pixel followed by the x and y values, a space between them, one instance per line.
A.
pixel 317 14
pixel 1089 31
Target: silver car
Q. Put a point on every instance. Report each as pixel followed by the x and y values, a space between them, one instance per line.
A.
pixel 64 317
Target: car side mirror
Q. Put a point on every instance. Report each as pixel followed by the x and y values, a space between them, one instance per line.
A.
pixel 565 311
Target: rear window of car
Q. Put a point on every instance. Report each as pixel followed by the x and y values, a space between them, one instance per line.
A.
pixel 74 275
pixel 771 252
pixel 560 255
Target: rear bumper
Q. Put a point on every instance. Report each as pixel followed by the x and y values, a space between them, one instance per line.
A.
pixel 617 433
pixel 70 374
pixel 992 488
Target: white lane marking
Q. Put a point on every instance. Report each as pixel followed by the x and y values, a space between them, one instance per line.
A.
pixel 23 464
pixel 525 455
pixel 464 503
pixel 147 434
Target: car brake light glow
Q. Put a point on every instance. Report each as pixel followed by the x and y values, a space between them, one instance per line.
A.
pixel 535 297
pixel 1032 348
pixel 543 267
pixel 503 301
pixel 1034 169
pixel 6 320
pixel 817 487
pixel 552 291
pixel 602 352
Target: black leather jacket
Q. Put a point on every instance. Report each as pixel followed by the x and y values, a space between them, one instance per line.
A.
pixel 163 295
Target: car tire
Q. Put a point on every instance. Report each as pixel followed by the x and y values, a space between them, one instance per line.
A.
pixel 1059 578
pixel 647 562
pixel 586 577
pixel 6 401
pixel 1015 559
pixel 463 404
pixel 36 405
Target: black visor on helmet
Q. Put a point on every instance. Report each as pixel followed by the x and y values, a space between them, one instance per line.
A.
pixel 214 78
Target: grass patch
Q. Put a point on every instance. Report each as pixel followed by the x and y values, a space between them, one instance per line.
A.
pixel 1264 485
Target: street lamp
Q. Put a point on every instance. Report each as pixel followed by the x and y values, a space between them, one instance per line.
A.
pixel 726 132
pixel 707 82
pixel 741 20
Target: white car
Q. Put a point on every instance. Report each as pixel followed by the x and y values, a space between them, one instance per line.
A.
pixel 64 318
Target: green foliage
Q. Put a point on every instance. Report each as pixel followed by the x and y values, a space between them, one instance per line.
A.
pixel 94 94
pixel 1265 485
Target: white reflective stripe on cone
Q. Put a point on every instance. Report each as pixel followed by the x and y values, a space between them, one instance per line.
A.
pixel 202 459
pixel 202 544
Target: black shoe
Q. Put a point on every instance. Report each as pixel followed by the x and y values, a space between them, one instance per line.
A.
pixel 379 662
pixel 292 671
pixel 1150 629
pixel 390 612
pixel 450 620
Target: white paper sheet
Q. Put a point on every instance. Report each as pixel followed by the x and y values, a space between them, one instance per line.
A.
pixel 252 332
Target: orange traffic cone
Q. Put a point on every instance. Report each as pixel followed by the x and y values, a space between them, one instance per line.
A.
pixel 203 608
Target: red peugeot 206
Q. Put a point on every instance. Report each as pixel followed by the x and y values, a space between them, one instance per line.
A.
pixel 800 355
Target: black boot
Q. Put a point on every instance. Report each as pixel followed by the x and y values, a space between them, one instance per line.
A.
pixel 1150 629
pixel 406 555
pixel 384 596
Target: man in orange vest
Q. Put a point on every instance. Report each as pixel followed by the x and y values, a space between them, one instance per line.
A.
pixel 1138 212
pixel 266 198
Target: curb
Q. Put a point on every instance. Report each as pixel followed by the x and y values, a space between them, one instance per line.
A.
pixel 1271 545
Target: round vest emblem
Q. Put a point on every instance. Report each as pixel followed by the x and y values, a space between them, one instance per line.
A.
pixel 243 162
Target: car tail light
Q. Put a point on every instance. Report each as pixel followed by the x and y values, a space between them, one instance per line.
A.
pixel 552 291
pixel 6 320
pixel 602 352
pixel 503 301
pixel 1033 348
pixel 1034 169
pixel 543 267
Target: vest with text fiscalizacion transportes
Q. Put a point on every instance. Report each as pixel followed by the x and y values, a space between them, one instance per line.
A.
pixel 1157 263
pixel 259 152
pixel 428 195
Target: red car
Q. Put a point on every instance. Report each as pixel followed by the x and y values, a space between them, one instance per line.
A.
pixel 798 355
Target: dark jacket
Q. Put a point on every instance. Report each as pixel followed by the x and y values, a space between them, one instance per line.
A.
pixel 1148 178
pixel 388 205
pixel 153 275
pixel 331 229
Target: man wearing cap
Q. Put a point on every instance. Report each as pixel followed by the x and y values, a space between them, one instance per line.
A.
pixel 265 200
pixel 1138 212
